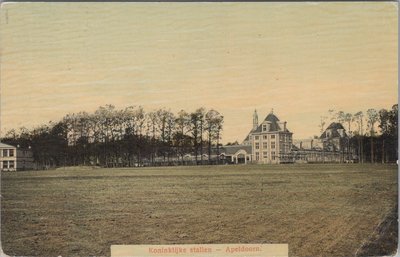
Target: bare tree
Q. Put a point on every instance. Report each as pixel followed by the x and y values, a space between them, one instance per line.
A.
pixel 372 119
pixel 358 117
pixel 322 123
pixel 212 121
pixel 182 124
pixel 197 123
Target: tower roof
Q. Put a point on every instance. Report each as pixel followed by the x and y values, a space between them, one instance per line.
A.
pixel 335 125
pixel 271 118
pixel 274 125
pixel 334 131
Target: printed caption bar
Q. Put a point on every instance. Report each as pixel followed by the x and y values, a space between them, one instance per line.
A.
pixel 201 250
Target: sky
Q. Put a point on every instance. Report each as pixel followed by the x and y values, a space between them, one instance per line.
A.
pixel 301 59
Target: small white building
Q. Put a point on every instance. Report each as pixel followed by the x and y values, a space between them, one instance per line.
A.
pixel 14 158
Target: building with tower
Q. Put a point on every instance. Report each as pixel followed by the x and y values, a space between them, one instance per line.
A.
pixel 267 142
pixel 270 141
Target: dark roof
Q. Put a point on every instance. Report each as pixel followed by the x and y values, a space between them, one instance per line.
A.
pixel 248 135
pixel 272 118
pixel 335 125
pixel 274 125
pixel 232 149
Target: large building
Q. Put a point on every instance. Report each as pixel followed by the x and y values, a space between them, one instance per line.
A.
pixel 14 158
pixel 270 141
pixel 331 147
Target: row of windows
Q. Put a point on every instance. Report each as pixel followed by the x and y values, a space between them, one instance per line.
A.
pixel 283 138
pixel 265 155
pixel 8 165
pixel 8 152
pixel 265 145
pixel 265 137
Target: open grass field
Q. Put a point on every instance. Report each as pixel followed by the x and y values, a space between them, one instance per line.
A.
pixel 319 210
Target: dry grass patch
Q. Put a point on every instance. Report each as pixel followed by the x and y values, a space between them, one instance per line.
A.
pixel 319 210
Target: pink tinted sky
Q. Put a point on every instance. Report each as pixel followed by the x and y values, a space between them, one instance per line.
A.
pixel 301 59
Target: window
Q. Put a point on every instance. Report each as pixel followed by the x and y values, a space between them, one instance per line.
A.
pixel 11 152
pixel 5 164
pixel 272 136
pixel 272 145
pixel 5 153
pixel 265 137
pixel 11 164
pixel 257 145
pixel 265 145
pixel 257 156
pixel 256 137
pixel 273 155
pixel 265 155
pixel 264 127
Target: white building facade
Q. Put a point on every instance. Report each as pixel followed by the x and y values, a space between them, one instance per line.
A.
pixel 271 141
pixel 8 157
pixel 13 158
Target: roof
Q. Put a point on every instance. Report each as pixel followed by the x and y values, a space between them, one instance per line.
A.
pixel 248 136
pixel 308 143
pixel 2 145
pixel 274 124
pixel 232 149
pixel 271 117
pixel 335 125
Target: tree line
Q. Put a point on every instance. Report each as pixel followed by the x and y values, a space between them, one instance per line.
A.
pixel 372 135
pixel 127 137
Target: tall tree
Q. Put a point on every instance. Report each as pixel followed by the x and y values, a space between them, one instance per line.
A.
pixel 322 123
pixel 358 117
pixel 384 127
pixel 152 123
pixel 372 115
pixel 182 138
pixel 201 120
pixel 197 127
pixel 211 123
pixel 117 137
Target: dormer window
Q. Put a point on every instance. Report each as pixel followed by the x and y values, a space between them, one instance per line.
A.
pixel 264 127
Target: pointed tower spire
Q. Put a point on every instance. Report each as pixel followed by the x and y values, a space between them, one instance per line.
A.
pixel 255 120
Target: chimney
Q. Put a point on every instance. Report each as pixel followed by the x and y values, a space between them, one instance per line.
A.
pixel 284 126
pixel 312 143
pixel 301 144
